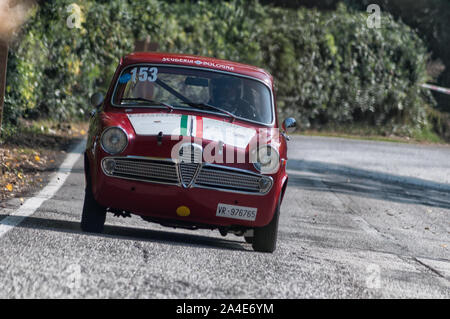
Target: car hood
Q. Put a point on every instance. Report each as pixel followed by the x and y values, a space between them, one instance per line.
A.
pixel 196 126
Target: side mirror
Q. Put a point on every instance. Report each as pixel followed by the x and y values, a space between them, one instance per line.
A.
pixel 97 99
pixel 289 125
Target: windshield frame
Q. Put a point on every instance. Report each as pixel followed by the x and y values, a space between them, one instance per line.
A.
pixel 272 101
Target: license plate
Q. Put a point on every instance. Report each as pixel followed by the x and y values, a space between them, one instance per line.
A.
pixel 236 212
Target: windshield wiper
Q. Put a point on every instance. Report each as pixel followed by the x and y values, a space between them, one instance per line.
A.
pixel 143 99
pixel 206 105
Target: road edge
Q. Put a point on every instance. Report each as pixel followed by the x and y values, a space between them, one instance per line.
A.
pixel 56 181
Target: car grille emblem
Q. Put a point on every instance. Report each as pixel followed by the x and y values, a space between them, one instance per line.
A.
pixel 190 158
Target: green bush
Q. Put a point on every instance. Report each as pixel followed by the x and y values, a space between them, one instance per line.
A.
pixel 329 67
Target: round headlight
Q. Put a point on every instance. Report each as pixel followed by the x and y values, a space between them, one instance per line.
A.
pixel 267 160
pixel 114 140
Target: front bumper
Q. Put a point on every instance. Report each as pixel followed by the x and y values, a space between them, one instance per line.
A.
pixel 161 200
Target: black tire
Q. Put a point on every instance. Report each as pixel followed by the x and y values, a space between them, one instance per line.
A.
pixel 94 215
pixel 265 238
pixel 248 240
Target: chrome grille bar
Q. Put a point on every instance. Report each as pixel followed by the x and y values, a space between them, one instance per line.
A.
pixel 220 177
pixel 158 171
pixel 187 172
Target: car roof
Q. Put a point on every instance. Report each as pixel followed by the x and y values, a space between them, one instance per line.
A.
pixel 198 62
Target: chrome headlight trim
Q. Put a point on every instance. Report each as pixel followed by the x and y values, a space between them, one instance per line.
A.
pixel 111 128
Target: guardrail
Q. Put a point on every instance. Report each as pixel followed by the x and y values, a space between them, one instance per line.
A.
pixel 436 88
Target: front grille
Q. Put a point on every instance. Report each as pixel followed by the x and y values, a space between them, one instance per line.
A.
pixel 146 170
pixel 187 174
pixel 190 153
pixel 225 178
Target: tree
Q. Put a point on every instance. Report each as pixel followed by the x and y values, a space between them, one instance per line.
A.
pixel 12 15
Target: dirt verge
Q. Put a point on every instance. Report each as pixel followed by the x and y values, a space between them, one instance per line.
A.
pixel 30 155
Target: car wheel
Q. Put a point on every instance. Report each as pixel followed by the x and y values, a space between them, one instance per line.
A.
pixel 248 239
pixel 265 238
pixel 94 215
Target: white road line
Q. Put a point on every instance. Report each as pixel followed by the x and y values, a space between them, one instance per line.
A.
pixel 30 206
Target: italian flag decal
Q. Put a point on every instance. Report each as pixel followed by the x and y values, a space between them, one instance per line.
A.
pixel 194 126
pixel 184 125
pixel 199 127
pixel 191 126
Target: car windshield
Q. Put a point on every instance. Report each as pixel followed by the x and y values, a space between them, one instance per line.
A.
pixel 178 87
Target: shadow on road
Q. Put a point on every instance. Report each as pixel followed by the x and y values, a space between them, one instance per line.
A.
pixel 365 183
pixel 130 233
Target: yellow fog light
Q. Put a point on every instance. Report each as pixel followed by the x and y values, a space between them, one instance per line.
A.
pixel 183 211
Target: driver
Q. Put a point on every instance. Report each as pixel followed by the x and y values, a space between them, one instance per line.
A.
pixel 226 92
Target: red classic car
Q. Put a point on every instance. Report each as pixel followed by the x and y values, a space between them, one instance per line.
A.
pixel 188 141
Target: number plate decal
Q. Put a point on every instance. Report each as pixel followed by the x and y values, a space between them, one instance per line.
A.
pixel 236 212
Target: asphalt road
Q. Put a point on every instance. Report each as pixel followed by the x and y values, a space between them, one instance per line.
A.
pixel 360 219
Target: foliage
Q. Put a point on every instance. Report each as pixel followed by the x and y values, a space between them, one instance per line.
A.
pixel 329 67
